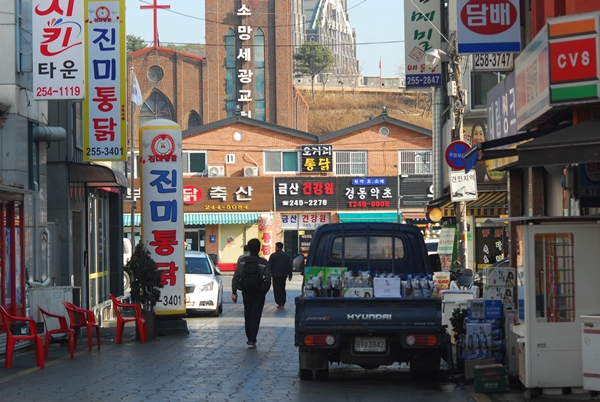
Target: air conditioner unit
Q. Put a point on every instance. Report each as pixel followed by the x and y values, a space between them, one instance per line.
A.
pixel 250 171
pixel 214 171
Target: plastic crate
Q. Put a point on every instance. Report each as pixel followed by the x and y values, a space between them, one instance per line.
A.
pixel 489 378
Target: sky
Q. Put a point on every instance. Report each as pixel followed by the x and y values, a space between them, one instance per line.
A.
pixel 375 22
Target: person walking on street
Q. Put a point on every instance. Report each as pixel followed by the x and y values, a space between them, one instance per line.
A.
pixel 253 277
pixel 281 268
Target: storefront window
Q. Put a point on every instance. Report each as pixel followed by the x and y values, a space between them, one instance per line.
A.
pixel 554 277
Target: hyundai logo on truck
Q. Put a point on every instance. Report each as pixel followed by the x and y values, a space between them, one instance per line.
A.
pixel 375 317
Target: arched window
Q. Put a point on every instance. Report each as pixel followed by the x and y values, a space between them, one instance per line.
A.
pixel 230 73
pixel 259 75
pixel 155 107
pixel 193 120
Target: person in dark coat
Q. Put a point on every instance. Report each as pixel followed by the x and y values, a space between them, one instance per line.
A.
pixel 281 268
pixel 253 301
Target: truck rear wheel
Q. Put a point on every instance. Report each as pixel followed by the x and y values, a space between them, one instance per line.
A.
pixel 306 374
pixel 322 374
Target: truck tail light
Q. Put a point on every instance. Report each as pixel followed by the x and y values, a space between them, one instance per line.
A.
pixel 421 340
pixel 319 340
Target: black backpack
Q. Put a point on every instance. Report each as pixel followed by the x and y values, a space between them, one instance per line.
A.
pixel 251 277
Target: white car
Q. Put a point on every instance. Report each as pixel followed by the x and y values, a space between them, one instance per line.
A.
pixel 203 285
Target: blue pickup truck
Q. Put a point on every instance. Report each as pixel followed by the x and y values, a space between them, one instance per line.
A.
pixel 370 332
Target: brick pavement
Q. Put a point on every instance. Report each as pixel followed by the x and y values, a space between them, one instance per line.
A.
pixel 212 363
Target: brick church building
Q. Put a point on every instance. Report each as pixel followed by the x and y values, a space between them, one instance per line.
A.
pixel 246 149
pixel 247 69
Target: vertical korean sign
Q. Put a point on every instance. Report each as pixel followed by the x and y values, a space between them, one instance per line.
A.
pixel 58 44
pixel 162 209
pixel 422 34
pixel 105 137
pixel 245 56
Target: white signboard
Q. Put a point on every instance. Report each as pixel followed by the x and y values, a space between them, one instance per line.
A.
pixel 463 186
pixel 493 61
pixel 446 243
pixel 532 80
pixel 420 22
pixel 105 110
pixel 487 26
pixel 58 61
pixel 162 208
pixel 304 221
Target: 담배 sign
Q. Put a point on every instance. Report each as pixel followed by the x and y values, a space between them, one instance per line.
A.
pixel 488 26
pixel 162 209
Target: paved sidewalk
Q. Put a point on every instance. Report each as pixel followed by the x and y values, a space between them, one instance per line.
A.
pixel 212 363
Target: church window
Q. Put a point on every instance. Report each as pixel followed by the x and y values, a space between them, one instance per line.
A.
pixel 193 120
pixel 230 72
pixel 155 107
pixel 259 75
pixel 155 74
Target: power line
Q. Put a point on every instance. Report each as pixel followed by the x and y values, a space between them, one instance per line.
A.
pixel 266 27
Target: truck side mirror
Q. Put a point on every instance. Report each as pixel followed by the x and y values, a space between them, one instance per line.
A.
pixel 434 260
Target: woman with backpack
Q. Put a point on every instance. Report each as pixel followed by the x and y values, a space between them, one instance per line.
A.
pixel 253 277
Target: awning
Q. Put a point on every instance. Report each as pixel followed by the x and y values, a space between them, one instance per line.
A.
pixel 491 149
pixel 217 218
pixel 221 218
pixel 493 203
pixel 363 216
pixel 579 143
pixel 96 175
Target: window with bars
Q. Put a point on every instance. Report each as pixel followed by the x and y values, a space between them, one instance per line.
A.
pixel 352 163
pixel 415 162
pixel 281 161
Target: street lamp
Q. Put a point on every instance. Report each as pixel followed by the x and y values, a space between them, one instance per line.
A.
pixel 457 99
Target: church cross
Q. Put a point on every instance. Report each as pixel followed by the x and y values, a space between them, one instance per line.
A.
pixel 155 7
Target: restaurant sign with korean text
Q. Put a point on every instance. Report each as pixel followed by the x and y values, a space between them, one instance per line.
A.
pixel 422 23
pixel 339 193
pixel 105 136
pixel 228 194
pixel 317 158
pixel 296 221
pixel 488 26
pixel 58 46
pixel 162 209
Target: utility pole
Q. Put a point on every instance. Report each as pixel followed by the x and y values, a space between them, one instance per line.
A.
pixel 457 99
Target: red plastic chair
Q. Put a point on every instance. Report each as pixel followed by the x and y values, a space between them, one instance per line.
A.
pixel 12 339
pixel 82 318
pixel 63 329
pixel 121 321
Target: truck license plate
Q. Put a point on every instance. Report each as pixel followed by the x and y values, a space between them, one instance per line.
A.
pixel 369 344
